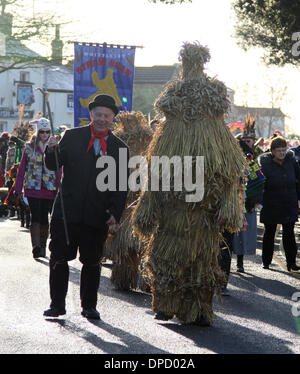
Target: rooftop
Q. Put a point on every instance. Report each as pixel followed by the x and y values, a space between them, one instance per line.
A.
pixel 275 112
pixel 17 49
pixel 59 78
pixel 155 74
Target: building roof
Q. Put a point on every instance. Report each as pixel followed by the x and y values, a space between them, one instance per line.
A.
pixel 59 78
pixel 267 112
pixel 155 74
pixel 17 49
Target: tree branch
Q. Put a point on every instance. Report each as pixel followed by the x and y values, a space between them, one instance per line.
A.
pixel 268 25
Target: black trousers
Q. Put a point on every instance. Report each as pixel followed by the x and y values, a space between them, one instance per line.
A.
pixel 289 243
pixel 25 215
pixel 40 210
pixel 89 241
pixel 226 254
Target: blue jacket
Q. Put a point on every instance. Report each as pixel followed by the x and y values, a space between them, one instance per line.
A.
pixel 281 189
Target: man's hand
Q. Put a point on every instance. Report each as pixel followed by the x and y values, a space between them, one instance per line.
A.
pixel 112 220
pixel 113 225
pixel 52 143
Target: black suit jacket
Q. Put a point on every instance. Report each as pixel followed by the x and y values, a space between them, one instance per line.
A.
pixel 83 202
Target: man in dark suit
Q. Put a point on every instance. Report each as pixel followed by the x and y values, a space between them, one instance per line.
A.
pixel 89 211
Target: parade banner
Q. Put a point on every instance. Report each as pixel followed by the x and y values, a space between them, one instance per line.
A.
pixel 102 69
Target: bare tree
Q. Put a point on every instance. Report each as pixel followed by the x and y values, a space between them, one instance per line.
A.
pixel 18 28
pixel 277 96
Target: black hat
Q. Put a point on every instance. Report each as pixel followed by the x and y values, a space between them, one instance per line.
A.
pixel 106 101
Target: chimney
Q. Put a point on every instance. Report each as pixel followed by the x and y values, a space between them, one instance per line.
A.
pixel 2 44
pixel 57 47
pixel 6 24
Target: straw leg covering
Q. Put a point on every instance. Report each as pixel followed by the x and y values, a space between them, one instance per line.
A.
pixel 184 271
pixel 124 275
pixel 123 250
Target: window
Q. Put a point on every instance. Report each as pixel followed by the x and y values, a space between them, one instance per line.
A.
pixel 24 76
pixel 70 103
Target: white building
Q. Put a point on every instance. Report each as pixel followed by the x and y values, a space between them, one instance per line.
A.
pixel 59 82
pixel 18 86
pixel 267 119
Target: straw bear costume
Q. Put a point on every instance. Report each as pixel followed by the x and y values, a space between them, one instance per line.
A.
pixel 183 237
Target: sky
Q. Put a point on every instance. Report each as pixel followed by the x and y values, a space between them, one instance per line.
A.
pixel 162 29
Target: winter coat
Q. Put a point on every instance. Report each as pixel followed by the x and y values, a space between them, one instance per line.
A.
pixel 281 190
pixel 83 202
pixel 37 180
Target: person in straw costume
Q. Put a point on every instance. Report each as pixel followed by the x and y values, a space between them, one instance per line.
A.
pixel 123 247
pixel 183 237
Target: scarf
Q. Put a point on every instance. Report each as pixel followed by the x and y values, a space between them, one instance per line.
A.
pixel 42 145
pixel 99 136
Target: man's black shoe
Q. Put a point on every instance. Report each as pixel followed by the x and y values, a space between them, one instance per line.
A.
pixel 240 269
pixel 54 312
pixel 36 252
pixel 90 313
pixel 293 267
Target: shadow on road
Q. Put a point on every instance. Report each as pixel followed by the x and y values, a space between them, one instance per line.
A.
pixel 226 337
pixel 131 343
pixel 137 298
pixel 254 283
pixel 248 302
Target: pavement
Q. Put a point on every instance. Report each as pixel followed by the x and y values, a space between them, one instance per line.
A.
pixel 261 315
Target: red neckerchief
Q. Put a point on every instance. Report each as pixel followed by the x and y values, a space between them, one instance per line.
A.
pixel 99 136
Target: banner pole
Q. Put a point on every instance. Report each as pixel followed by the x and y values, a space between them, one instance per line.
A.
pixel 112 45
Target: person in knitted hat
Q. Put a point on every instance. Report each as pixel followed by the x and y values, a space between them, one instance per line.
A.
pixel 40 185
pixel 89 211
